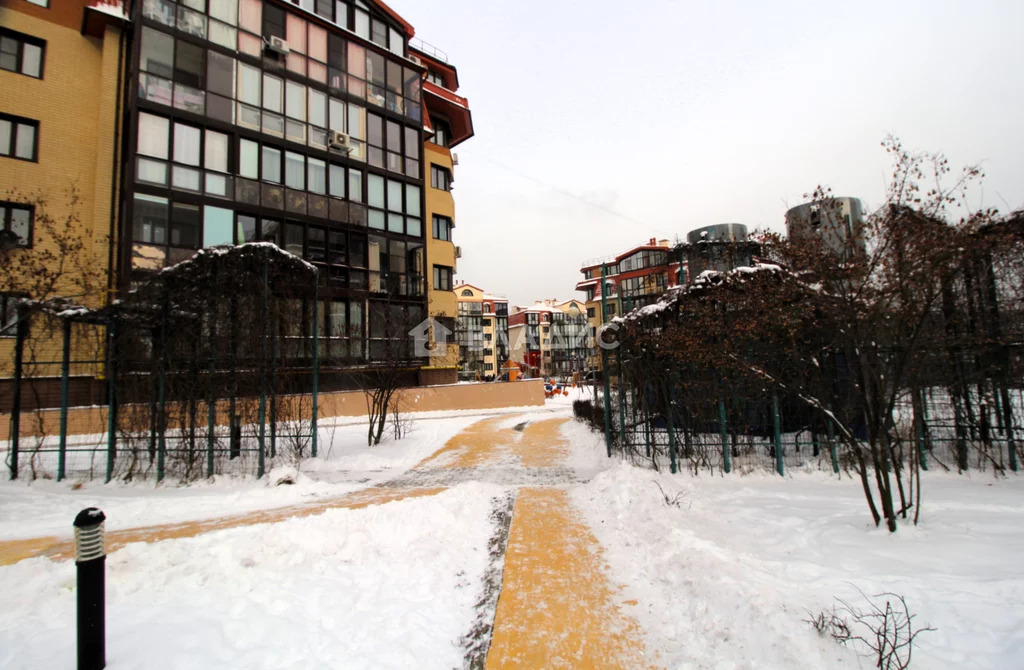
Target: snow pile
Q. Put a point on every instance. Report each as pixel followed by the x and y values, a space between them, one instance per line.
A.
pixel 386 586
pixel 46 507
pixel 284 474
pixel 726 574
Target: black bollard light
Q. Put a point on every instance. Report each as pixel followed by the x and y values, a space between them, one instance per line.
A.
pixel 90 556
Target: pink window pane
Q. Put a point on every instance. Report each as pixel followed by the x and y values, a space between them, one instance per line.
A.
pixel 357 87
pixel 356 61
pixel 249 44
pixel 297 63
pixel 318 72
pixel 296 34
pixel 318 43
pixel 250 15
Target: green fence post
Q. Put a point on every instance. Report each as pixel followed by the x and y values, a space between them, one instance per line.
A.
pixel 723 429
pixel 622 406
pixel 161 400
pixel 670 396
pixel 1011 443
pixel 272 386
pixel 604 364
pixel 20 335
pixel 111 399
pixel 65 371
pixel 832 446
pixel 261 462
pixel 780 466
pixel 645 416
pixel 919 435
pixel 316 357
pixel 961 436
pixel 211 394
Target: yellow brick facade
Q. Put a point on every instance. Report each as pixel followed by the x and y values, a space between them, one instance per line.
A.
pixel 440 303
pixel 75 104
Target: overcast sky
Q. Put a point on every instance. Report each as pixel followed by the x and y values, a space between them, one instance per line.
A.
pixel 678 114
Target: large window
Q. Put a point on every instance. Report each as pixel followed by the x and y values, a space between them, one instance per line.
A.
pixel 312 54
pixel 19 137
pixel 442 131
pixel 442 278
pixel 15 225
pixel 21 53
pixel 440 178
pixel 174 153
pixel 396 266
pixel 442 228
pixel 343 325
pixel 643 259
pixel 393 206
pixel 647 285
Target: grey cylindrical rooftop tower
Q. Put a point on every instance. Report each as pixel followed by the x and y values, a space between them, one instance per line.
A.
pixel 720 232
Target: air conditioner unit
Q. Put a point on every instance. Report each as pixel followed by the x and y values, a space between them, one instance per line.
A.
pixel 278 45
pixel 458 252
pixel 455 159
pixel 339 140
pixel 415 59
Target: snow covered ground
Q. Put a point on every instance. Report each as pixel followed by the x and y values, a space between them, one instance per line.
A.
pixel 46 507
pixel 723 579
pixel 390 586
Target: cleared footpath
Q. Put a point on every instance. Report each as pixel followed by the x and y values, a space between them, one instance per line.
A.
pixel 555 605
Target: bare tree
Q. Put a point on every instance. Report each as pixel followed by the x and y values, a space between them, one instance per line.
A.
pixel 391 360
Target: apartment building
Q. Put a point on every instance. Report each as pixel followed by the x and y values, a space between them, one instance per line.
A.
pixel 633 278
pixel 481 333
pixel 447 123
pixel 61 131
pixel 184 124
pixel 838 222
pixel 550 338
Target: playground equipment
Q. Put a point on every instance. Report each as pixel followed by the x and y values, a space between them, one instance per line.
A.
pixel 552 389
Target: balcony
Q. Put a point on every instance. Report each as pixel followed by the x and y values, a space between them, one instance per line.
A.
pixel 452 106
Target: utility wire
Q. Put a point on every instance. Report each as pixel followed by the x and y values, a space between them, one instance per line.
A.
pixel 607 210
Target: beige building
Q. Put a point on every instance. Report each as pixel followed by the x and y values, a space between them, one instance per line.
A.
pixel 61 113
pixel 550 338
pixel 447 122
pixel 151 130
pixel 482 333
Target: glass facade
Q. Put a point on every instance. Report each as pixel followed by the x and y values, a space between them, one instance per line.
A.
pixel 259 122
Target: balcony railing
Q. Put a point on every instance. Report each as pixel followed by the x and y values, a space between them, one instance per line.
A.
pixel 429 49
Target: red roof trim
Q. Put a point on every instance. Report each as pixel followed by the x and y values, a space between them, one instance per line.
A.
pixel 406 26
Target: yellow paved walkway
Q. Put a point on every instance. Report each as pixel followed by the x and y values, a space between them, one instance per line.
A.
pixel 555 609
pixel 12 551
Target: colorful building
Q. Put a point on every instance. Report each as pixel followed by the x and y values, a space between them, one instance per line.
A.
pixel 447 123
pixel 634 278
pixel 550 338
pixel 179 125
pixel 481 333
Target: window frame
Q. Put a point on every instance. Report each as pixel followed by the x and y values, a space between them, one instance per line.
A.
pixel 22 39
pixel 16 122
pixel 6 211
pixel 440 178
pixel 438 222
pixel 441 272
